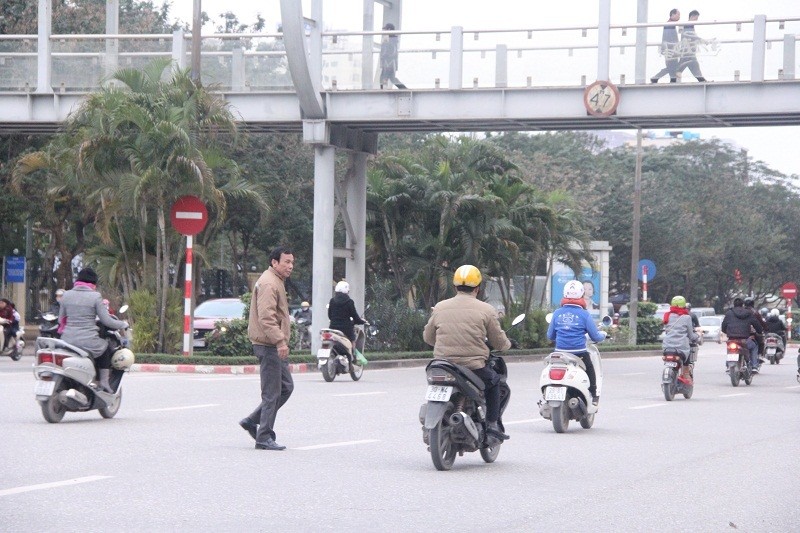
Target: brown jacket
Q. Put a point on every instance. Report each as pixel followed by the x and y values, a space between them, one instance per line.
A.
pixel 269 311
pixel 457 329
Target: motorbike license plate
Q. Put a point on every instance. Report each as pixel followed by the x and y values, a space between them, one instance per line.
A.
pixel 438 393
pixel 733 357
pixel 671 364
pixel 771 350
pixel 44 388
pixel 555 393
pixel 323 353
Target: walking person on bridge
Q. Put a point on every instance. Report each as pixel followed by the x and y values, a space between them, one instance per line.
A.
pixel 268 329
pixel 389 52
pixel 670 49
pixel 690 41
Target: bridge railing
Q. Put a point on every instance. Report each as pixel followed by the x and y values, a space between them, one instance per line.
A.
pixel 736 50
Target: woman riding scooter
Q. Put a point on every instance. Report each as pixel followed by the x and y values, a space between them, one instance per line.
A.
pixel 679 334
pixel 81 308
pixel 343 315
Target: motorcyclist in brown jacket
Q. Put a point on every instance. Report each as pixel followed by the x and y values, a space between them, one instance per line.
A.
pixel 458 329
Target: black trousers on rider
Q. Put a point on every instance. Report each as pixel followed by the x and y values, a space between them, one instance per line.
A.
pixel 104 361
pixel 491 380
pixel 587 360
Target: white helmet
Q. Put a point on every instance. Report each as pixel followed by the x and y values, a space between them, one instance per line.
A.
pixel 573 289
pixel 774 312
pixel 122 359
pixel 343 286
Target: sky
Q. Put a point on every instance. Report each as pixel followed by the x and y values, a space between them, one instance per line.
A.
pixel 776 146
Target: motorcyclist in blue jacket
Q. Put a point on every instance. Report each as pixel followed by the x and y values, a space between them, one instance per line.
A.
pixel 568 329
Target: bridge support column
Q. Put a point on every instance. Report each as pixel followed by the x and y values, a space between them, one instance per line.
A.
pixel 759 47
pixel 641 42
pixel 356 202
pixel 501 66
pixel 179 49
pixel 456 57
pixel 368 46
pixel 789 42
pixel 604 40
pixel 322 269
pixel 44 71
pixel 237 70
pixel 112 28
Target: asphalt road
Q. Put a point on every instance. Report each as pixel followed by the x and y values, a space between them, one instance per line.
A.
pixel 174 458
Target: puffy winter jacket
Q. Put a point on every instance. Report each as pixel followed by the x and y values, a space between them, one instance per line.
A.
pixel 738 321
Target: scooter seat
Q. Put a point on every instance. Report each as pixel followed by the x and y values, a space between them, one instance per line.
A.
pixel 339 337
pixel 51 343
pixel 464 371
pixel 566 358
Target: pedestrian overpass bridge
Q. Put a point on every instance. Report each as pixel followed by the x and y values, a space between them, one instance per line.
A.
pixel 323 83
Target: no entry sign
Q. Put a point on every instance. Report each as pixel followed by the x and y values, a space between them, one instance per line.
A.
pixel 789 290
pixel 188 215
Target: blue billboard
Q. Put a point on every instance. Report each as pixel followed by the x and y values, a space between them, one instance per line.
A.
pixel 591 286
pixel 15 269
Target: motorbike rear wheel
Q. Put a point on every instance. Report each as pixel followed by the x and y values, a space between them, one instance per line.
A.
pixel 748 376
pixel 669 388
pixel 329 369
pixel 734 372
pixel 111 410
pixel 52 410
pixel 16 355
pixel 561 416
pixel 587 421
pixel 443 451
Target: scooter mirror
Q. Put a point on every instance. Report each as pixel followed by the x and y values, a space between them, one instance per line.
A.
pixel 123 309
pixel 517 320
pixel 548 317
pixel 49 317
pixel 607 321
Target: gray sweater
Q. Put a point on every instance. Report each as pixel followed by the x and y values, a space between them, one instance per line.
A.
pixel 678 332
pixel 82 307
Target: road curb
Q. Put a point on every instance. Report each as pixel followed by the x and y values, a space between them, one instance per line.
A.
pixel 302 368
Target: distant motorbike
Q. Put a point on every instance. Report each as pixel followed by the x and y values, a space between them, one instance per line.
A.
pixel 336 355
pixel 303 334
pixel 11 346
pixel 454 416
pixel 66 378
pixel 738 362
pixel 565 387
pixel 48 327
pixel 773 348
pixel 671 382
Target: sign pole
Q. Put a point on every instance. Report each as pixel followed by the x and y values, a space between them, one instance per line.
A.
pixel 789 320
pixel 188 344
pixel 644 283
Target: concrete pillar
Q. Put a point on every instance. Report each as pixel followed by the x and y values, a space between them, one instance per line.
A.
pixel 501 66
pixel 641 42
pixel 179 49
pixel 604 40
pixel 322 270
pixel 759 47
pixel 112 28
pixel 368 46
pixel 789 42
pixel 356 191
pixel 237 69
pixel 456 57
pixel 44 71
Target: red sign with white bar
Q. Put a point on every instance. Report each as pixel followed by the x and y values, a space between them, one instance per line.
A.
pixel 188 215
pixel 789 290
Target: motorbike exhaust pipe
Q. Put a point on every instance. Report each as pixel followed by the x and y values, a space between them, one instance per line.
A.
pixel 575 404
pixel 461 421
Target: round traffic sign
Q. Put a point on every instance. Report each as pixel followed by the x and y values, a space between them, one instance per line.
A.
pixel 188 215
pixel 789 290
pixel 651 269
pixel 601 98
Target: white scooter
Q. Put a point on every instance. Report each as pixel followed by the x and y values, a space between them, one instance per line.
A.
pixel 66 378
pixel 336 354
pixel 12 347
pixel 565 387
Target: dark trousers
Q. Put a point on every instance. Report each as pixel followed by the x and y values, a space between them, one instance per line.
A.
pixel 491 380
pixel 671 69
pixel 276 387
pixel 104 361
pixel 587 360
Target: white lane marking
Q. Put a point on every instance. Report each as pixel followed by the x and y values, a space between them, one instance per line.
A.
pixel 182 408
pixel 337 444
pixel 360 394
pixel 524 421
pixel 55 484
pixel 734 395
pixel 794 387
pixel 634 374
pixel 649 406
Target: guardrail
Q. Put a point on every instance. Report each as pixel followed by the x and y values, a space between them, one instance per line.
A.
pixel 758 49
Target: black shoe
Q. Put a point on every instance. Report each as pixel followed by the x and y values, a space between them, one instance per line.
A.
pixel 493 430
pixel 249 427
pixel 595 400
pixel 653 80
pixel 270 444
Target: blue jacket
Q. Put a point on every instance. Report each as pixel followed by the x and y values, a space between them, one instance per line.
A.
pixel 569 327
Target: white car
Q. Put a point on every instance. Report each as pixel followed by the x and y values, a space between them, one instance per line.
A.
pixel 711 326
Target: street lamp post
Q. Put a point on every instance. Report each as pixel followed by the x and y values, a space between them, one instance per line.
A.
pixel 633 305
pixel 197 24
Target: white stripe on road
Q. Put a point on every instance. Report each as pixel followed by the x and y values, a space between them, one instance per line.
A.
pixel 649 406
pixel 794 387
pixel 524 421
pixel 182 408
pixel 734 395
pixel 360 394
pixel 42 486
pixel 337 444
pixel 634 374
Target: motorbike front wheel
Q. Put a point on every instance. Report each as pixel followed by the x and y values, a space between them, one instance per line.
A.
pixel 356 371
pixel 329 370
pixel 561 416
pixel 16 355
pixel 52 410
pixel 490 454
pixel 669 388
pixel 587 421
pixel 111 410
pixel 443 451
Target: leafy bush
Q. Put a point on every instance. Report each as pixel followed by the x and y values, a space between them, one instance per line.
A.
pixel 229 338
pixel 399 327
pixel 144 320
pixel 530 334
pixel 647 329
pixel 646 309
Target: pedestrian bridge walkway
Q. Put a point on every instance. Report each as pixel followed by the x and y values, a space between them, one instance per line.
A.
pixel 458 79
